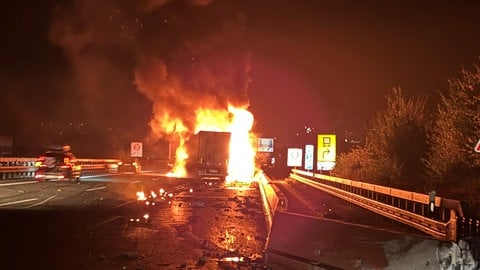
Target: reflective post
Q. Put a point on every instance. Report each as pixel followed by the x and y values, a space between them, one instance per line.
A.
pixel 431 201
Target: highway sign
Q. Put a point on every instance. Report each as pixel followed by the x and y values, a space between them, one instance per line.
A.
pixel 136 149
pixel 294 158
pixel 309 148
pixel 326 151
pixel 265 145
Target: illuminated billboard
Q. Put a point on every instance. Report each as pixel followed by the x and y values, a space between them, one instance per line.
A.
pixel 265 145
pixel 326 151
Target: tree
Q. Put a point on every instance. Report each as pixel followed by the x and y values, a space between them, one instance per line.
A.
pixel 456 131
pixel 395 145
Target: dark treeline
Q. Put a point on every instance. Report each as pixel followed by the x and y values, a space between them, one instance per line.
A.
pixel 410 147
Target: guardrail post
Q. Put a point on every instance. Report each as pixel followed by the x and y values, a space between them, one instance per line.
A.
pixel 452 226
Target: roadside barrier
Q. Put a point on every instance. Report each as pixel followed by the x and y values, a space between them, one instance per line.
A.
pixel 14 168
pixel 24 167
pixel 434 215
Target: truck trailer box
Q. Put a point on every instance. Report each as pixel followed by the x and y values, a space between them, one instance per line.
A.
pixel 213 154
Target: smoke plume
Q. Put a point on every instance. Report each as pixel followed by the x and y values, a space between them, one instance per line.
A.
pixel 181 55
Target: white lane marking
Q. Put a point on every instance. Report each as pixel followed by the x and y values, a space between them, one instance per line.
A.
pixel 18 183
pixel 17 202
pixel 94 176
pixel 120 205
pixel 97 188
pixel 42 202
pixel 108 220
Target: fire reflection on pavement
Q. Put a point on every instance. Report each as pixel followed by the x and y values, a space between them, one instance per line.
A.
pixel 201 225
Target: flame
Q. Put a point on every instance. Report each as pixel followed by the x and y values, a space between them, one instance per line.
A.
pixel 181 157
pixel 236 120
pixel 178 131
pixel 241 166
pixel 212 120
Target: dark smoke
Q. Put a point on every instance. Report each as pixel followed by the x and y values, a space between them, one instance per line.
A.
pixel 181 55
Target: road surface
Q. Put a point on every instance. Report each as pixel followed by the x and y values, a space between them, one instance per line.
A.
pixel 101 224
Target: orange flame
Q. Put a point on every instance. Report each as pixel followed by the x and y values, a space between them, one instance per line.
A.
pixel 181 157
pixel 241 165
pixel 238 121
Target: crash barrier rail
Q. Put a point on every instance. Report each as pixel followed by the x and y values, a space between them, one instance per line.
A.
pixel 273 199
pixel 98 166
pixel 11 168
pixel 410 208
pixel 24 167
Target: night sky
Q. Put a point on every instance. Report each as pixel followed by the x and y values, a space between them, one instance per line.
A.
pixel 105 68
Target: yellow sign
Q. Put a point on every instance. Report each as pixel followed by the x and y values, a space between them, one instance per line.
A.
pixel 326 151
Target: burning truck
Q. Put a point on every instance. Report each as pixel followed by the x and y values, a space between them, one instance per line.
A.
pixel 221 147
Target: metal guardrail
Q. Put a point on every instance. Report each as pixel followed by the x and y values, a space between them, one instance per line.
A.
pixel 24 167
pixel 403 206
pixel 98 166
pixel 17 168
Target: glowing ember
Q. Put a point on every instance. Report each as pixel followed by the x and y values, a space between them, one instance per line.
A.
pixel 233 259
pixel 229 238
pixel 141 196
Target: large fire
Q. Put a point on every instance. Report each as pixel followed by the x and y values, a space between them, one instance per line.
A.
pixel 237 121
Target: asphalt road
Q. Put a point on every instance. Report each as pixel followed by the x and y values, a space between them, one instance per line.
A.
pixel 101 224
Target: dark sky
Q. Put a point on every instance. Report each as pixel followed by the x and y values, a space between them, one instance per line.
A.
pixel 112 65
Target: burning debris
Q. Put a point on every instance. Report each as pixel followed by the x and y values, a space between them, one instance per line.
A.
pixel 215 224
